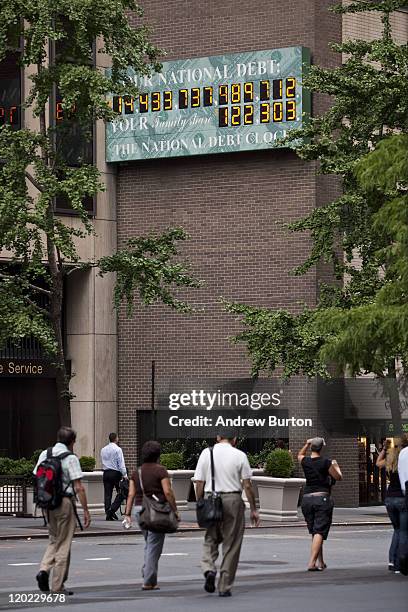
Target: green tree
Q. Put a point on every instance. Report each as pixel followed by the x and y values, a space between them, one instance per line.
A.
pixel 41 245
pixel 369 101
pixel 368 334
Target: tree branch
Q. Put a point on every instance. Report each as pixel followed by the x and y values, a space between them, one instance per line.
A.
pixel 41 310
pixel 87 266
pixel 33 287
pixel 34 182
pixel 60 264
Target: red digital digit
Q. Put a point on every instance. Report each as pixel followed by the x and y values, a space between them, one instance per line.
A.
pixel 59 112
pixel 13 115
pixel 2 113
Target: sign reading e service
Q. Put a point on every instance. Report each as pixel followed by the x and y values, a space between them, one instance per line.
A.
pixel 221 104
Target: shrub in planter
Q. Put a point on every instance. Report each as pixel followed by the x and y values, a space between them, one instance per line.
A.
pixel 6 466
pixel 173 446
pixel 172 461
pixel 253 460
pixel 87 463
pixel 17 467
pixel 194 448
pixel 190 450
pixel 258 460
pixel 279 464
pixel 34 457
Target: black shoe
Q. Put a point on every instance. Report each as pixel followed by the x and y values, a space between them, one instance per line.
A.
pixel 63 592
pixel 209 585
pixel 109 517
pixel 224 594
pixel 42 579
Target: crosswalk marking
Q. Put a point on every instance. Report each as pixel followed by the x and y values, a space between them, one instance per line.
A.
pixel 19 564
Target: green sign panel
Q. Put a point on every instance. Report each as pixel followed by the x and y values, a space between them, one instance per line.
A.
pixel 221 104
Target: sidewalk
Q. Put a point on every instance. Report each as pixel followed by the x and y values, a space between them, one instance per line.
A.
pixel 15 528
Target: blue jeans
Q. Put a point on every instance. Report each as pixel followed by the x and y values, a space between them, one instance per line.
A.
pixel 398 513
pixel 152 551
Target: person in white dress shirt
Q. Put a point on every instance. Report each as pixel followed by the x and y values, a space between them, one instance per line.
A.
pixel 114 469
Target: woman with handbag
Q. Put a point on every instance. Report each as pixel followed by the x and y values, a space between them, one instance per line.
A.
pixel 394 499
pixel 155 509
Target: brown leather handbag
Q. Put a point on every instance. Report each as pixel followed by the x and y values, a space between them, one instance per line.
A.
pixel 155 515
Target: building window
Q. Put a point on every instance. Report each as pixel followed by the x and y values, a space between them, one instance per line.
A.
pixel 10 90
pixel 27 347
pixel 71 141
pixel 74 147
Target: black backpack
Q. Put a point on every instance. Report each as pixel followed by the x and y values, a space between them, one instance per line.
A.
pixel 49 489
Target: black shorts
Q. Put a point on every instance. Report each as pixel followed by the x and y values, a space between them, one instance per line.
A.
pixel 318 513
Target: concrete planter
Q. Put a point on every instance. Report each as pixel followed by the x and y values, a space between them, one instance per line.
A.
pixel 93 484
pixel 255 472
pixel 278 497
pixel 181 483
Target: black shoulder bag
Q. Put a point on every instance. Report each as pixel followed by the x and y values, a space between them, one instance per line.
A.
pixel 209 509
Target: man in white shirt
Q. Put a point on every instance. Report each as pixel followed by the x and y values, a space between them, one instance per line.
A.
pixel 114 469
pixel 232 472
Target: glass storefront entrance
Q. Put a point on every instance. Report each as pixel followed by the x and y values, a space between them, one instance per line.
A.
pixel 372 480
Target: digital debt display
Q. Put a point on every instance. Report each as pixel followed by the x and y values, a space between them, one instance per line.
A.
pixel 221 104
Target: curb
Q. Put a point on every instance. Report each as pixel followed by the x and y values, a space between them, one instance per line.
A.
pixel 95 534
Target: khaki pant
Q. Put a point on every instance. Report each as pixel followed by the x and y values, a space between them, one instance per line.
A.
pixel 61 530
pixel 230 533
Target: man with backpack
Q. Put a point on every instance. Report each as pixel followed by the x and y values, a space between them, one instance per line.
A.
pixel 57 482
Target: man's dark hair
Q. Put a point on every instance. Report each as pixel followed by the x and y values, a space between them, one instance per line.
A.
pixel 227 434
pixel 113 436
pixel 66 435
pixel 150 451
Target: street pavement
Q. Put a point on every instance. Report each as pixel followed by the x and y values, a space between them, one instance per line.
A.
pixel 105 573
pixel 16 527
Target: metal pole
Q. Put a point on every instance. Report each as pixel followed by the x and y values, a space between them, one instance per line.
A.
pixel 153 399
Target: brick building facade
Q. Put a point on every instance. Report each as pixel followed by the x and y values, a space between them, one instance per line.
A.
pixel 233 206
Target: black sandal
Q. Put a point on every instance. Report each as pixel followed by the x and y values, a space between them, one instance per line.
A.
pixel 147 587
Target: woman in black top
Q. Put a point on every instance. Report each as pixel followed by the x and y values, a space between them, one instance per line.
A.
pixel 317 504
pixel 394 499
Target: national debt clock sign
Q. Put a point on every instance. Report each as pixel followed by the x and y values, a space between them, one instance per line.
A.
pixel 220 104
